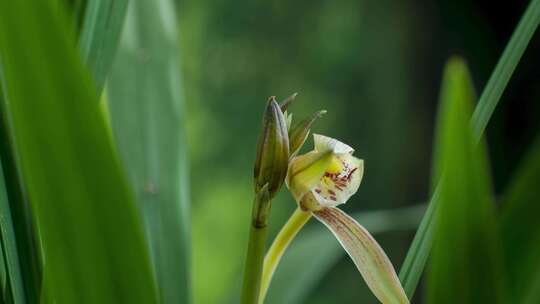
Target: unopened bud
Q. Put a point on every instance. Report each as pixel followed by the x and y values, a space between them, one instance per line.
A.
pixel 272 150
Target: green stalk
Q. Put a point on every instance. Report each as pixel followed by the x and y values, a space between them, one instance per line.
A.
pixel 254 263
pixel 297 220
pixel 255 254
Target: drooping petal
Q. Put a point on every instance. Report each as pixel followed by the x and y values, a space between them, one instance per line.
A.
pixel 325 143
pixel 340 181
pixel 306 171
pixel 367 255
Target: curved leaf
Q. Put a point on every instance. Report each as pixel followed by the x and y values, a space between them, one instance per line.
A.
pixel 91 236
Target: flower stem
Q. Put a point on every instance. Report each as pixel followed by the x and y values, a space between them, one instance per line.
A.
pixel 297 220
pixel 255 252
pixel 253 267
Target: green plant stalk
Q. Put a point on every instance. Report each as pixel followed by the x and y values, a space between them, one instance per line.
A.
pixel 287 233
pixel 258 232
pixel 254 265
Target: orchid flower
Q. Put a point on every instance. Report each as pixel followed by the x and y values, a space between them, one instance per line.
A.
pixel 320 181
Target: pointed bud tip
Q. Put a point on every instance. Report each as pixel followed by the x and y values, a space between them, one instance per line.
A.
pixel 270 100
pixel 321 113
pixel 284 105
pixel 300 132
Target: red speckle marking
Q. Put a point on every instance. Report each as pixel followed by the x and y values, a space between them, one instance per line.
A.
pixel 351 173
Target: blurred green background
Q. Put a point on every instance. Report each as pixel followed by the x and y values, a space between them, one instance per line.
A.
pixel 376 67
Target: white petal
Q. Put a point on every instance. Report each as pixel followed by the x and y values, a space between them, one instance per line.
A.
pixel 367 255
pixel 325 143
pixel 336 188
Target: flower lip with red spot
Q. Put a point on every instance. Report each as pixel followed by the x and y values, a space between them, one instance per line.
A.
pixel 325 177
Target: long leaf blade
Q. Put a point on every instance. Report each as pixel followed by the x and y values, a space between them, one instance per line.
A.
pixel 27 247
pixel 465 267
pixel 409 274
pixel 12 282
pixel 505 67
pixel 90 232
pixel 146 107
pixel 416 258
pixel 13 290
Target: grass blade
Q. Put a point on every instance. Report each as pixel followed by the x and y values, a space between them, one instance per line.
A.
pixel 416 258
pixel 100 34
pixel 146 108
pixel 308 268
pixel 465 265
pixel 520 230
pixel 505 67
pixel 92 242
pixel 12 281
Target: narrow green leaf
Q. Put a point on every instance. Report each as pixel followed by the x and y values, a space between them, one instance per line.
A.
pixel 315 251
pixel 12 288
pixel 28 249
pixel 416 258
pixel 419 251
pixel 520 230
pixel 12 282
pixel 100 34
pixel 505 67
pixel 465 265
pixel 146 107
pixel 91 239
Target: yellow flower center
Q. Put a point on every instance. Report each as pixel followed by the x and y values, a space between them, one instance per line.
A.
pixel 335 167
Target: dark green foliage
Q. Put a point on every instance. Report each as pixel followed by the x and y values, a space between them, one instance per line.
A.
pixel 520 229
pixel 90 231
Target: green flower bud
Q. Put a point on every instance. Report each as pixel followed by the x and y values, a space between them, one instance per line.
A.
pixel 272 150
pixel 299 133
